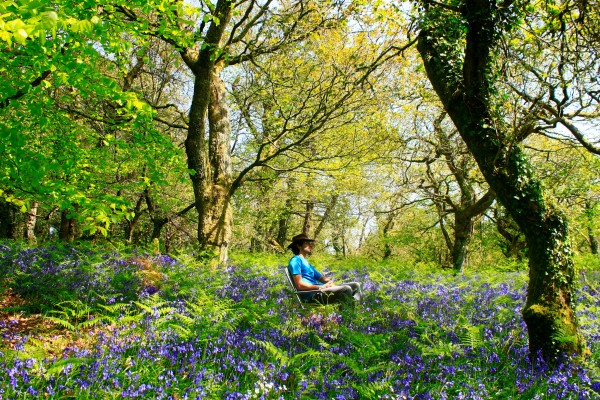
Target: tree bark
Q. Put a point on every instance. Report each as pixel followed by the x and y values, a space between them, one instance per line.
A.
pixel 549 313
pixel 308 218
pixel 68 227
pixel 464 223
pixel 593 239
pixel 208 157
pixel 217 217
pixel 132 224
pixel 283 224
pixel 158 221
pixel 326 215
pixel 30 223
pixel 9 223
pixel 387 227
pixel 511 233
pixel 463 231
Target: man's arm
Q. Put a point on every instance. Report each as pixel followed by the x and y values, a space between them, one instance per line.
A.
pixel 328 282
pixel 301 285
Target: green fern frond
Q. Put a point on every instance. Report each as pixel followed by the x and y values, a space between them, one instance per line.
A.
pixel 275 352
pixel 184 332
pixel 60 365
pixel 144 307
pixel 564 335
pixel 114 308
pixel 61 322
pixel 93 322
pixel 471 336
pixel 372 390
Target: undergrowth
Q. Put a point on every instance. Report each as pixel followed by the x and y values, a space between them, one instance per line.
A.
pixel 149 326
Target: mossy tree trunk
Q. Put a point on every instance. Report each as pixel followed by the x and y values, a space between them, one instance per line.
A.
pixel 207 147
pixel 463 85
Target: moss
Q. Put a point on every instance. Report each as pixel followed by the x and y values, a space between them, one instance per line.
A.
pixel 538 311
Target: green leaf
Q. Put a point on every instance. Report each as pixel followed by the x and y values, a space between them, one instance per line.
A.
pixel 21 36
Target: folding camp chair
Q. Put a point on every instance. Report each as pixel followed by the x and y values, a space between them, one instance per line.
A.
pixel 297 292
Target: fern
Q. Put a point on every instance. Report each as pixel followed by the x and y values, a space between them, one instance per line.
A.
pixel 62 322
pixel 438 348
pixel 60 365
pixel 275 352
pixel 471 336
pixel 372 390
pixel 564 335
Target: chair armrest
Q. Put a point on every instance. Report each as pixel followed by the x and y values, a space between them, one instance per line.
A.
pixel 306 291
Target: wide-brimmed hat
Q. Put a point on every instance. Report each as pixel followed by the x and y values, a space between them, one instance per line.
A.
pixel 298 239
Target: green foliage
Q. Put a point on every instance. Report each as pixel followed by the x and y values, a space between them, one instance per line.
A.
pixel 76 315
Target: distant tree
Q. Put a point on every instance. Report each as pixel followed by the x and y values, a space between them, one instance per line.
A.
pixel 454 190
pixel 514 243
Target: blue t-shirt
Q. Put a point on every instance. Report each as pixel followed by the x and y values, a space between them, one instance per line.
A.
pixel 300 266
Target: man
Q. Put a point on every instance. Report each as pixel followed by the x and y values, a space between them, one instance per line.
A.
pixel 306 277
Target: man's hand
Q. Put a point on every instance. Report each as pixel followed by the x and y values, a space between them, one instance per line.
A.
pixel 327 284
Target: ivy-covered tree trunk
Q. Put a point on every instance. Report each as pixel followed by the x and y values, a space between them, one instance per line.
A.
pixel 463 86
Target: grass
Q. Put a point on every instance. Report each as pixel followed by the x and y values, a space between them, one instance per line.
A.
pixel 116 325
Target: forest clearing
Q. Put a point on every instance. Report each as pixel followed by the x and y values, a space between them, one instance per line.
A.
pixel 157 157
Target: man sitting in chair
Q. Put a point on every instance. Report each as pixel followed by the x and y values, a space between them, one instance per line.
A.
pixel 306 277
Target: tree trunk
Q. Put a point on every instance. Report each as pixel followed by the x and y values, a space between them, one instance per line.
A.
pixel 218 216
pixel 593 239
pixel 132 224
pixel 9 223
pixel 464 222
pixel 196 147
pixel 389 224
pixel 326 215
pixel 308 218
pixel 465 94
pixel 30 223
pixel 68 227
pixel 511 233
pixel 210 161
pixel 283 223
pixel 463 231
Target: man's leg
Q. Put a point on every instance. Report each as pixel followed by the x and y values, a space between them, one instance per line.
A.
pixel 356 290
pixel 334 294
